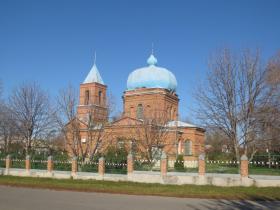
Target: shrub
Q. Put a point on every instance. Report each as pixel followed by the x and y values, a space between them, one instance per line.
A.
pixel 116 159
pixel 179 164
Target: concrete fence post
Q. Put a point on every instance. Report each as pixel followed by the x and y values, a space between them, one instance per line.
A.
pixel 27 163
pixel 8 164
pixel 201 165
pixel 50 164
pixel 74 165
pixel 130 164
pixel 101 166
pixel 244 172
pixel 163 164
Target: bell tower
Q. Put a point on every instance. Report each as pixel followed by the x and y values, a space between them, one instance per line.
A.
pixel 92 101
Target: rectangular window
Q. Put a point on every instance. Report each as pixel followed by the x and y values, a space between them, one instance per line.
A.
pixel 86 97
pixel 188 147
pixel 99 97
pixel 139 111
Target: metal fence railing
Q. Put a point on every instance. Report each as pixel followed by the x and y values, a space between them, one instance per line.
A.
pixel 144 165
pixel 62 165
pixel 255 167
pixel 115 168
pixel 39 164
pixel 2 163
pixel 187 166
pixel 222 166
pixel 88 167
pixel 18 163
pixel 232 167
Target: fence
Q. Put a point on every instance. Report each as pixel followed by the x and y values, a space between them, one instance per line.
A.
pixel 211 166
pixel 2 163
pixel 234 173
pixel 62 165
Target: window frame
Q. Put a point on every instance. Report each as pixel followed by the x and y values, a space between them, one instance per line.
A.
pixel 188 144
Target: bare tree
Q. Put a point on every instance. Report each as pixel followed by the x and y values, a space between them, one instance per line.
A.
pixel 151 135
pixel 269 116
pixel 7 129
pixel 231 97
pixel 96 126
pixel 96 131
pixel 91 126
pixel 29 105
pixel 218 145
pixel 65 116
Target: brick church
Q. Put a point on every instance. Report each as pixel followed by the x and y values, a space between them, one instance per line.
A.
pixel 149 122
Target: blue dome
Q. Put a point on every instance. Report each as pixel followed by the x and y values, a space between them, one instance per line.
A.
pixel 152 76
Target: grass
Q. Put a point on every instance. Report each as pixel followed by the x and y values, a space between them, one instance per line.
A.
pixel 251 193
pixel 253 170
pixel 185 169
pixel 224 169
pixel 264 171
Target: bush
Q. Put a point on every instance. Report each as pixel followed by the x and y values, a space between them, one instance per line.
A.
pixel 2 163
pixel 143 166
pixel 116 159
pixel 116 155
pixel 62 166
pixel 179 164
pixel 88 167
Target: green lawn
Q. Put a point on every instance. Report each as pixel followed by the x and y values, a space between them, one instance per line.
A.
pixel 227 169
pixel 267 193
pixel 224 169
pixel 264 171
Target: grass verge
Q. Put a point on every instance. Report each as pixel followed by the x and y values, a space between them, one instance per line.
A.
pixel 193 191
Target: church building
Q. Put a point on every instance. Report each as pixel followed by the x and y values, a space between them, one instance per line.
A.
pixel 149 122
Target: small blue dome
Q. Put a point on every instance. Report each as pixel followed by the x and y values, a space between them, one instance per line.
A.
pixel 152 76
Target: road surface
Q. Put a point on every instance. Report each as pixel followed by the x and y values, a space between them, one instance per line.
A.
pixel 13 198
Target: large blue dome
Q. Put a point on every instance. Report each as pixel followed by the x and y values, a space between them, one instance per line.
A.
pixel 152 76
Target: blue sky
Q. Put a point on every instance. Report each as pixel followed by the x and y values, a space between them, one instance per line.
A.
pixel 53 42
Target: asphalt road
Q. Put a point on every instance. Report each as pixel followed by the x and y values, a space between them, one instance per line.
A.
pixel 12 198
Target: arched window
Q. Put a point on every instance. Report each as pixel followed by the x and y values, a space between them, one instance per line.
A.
pixel 131 111
pixel 175 114
pixel 139 111
pixel 86 97
pixel 188 147
pixel 99 97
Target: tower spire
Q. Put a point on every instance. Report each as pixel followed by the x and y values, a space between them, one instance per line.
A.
pixel 152 59
pixel 94 58
pixel 94 75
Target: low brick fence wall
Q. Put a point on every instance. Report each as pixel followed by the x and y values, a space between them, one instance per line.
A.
pixel 162 176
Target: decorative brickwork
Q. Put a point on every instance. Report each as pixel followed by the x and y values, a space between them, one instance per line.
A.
pixel 154 101
pixel 140 105
pixel 101 166
pixel 27 163
pixel 8 162
pixel 74 165
pixel 244 166
pixel 50 164
pixel 130 164
pixel 201 165
pixel 92 99
pixel 163 164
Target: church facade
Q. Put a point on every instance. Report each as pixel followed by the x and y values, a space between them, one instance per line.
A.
pixel 149 122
